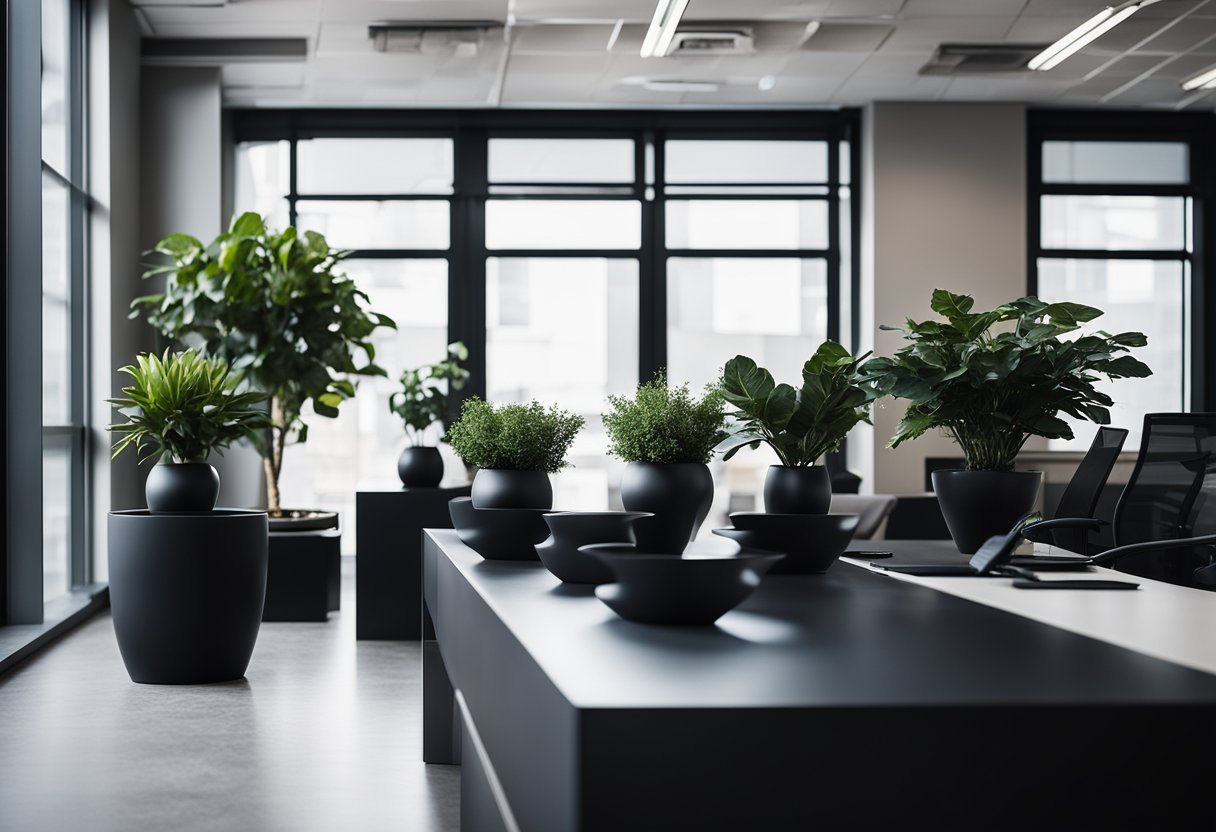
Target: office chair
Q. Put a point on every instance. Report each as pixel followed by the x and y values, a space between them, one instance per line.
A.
pixel 871 508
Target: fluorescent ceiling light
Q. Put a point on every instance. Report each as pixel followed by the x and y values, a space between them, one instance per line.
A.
pixel 680 86
pixel 667 14
pixel 1085 34
pixel 1203 81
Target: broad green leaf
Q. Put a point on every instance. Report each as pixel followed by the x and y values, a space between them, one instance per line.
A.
pixel 950 305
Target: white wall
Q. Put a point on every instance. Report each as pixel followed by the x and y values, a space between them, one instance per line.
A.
pixel 945 207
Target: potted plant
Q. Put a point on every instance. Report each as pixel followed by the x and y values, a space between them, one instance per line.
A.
pixel 421 402
pixel 179 408
pixel 275 305
pixel 187 581
pixel 799 425
pixel 667 437
pixel 991 380
pixel 514 447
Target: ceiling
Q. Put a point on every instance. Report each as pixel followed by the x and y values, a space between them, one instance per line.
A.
pixel 584 53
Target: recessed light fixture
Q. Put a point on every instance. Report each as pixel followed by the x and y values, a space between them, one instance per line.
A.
pixel 1086 33
pixel 1205 80
pixel 680 86
pixel 667 14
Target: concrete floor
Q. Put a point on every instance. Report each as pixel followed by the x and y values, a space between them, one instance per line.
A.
pixel 323 734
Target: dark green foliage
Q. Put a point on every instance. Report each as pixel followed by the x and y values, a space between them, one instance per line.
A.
pixel 799 425
pixel 181 407
pixel 662 424
pixel 992 379
pixel 516 437
pixel 423 400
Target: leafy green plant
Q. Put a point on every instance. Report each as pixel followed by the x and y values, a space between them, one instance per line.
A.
pixel 422 400
pixel 665 424
pixel 516 437
pixel 274 305
pixel 992 379
pixel 799 425
pixel 181 406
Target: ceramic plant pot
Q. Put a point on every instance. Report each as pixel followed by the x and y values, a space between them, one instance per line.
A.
pixel 979 504
pixel 569 530
pixel 182 486
pixel 420 467
pixel 503 488
pixel 498 533
pixel 677 494
pixel 797 490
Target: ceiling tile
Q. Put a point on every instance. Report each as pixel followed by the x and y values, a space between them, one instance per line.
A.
pixel 964 8
pixel 848 37
pixel 927 33
pixel 561 38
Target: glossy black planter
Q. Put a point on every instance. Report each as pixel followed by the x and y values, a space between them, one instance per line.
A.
pixel 498 533
pixel 420 467
pixel 186 593
pixel 811 543
pixel 979 504
pixel 797 490
pixel 572 529
pixel 503 488
pixel 677 494
pixel 182 486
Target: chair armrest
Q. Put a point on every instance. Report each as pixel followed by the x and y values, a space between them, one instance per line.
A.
pixel 1030 530
pixel 1112 555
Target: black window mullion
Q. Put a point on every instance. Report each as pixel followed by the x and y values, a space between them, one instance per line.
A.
pixel 467 275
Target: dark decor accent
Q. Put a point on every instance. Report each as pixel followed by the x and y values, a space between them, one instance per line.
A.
pixel 811 543
pixel 678 494
pixel 303 520
pixel 498 533
pixel 979 504
pixel 798 490
pixel 303 580
pixel 186 593
pixel 420 467
pixel 505 488
pixel 182 486
pixel 661 589
pixel 388 545
pixel 916 517
pixel 569 530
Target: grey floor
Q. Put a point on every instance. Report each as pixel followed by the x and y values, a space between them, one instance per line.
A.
pixel 323 734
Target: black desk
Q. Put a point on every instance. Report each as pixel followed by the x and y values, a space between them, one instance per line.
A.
pixel 847 700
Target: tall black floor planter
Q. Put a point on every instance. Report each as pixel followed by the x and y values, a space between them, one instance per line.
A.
pixel 677 494
pixel 979 504
pixel 186 593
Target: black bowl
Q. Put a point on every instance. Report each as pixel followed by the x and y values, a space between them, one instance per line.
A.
pixel 669 589
pixel 812 542
pixel 498 533
pixel 560 554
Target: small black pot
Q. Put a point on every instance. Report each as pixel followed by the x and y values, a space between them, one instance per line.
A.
pixel 677 494
pixel 504 488
pixel 498 533
pixel 797 490
pixel 182 486
pixel 420 467
pixel 569 530
pixel 979 504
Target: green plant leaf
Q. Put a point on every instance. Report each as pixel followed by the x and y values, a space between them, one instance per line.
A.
pixel 950 305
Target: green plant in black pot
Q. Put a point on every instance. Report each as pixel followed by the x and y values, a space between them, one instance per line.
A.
pixel 278 308
pixel 422 401
pixel 179 409
pixel 667 436
pixel 515 447
pixel 992 379
pixel 800 425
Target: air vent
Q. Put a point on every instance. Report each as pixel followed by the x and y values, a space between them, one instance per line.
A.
pixel 461 38
pixel 979 59
pixel 712 42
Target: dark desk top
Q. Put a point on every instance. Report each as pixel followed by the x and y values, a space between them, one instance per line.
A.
pixel 849 638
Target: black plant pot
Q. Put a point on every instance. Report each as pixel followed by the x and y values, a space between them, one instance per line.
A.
pixel 677 494
pixel 979 504
pixel 182 486
pixel 420 467
pixel 503 488
pixel 569 530
pixel 186 593
pixel 498 533
pixel 797 490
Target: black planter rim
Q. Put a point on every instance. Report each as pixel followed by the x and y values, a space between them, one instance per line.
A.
pixel 215 512
pixel 986 471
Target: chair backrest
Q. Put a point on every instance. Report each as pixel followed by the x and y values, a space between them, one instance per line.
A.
pixel 871 508
pixel 1080 496
pixel 1170 494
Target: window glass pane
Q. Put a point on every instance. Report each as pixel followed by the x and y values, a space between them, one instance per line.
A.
pixel 565 332
pixel 746 161
pixel 1141 295
pixel 773 310
pixel 737 223
pixel 1116 223
pixel 262 180
pixel 55 84
pixel 56 519
pixel 375 166
pixel 561 160
pixel 359 449
pixel 56 318
pixel 1111 162
pixel 563 224
pixel 355 224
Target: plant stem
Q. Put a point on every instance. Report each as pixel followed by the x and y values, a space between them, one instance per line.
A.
pixel 273 461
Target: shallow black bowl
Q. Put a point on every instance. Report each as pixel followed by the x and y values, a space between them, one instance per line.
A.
pixel 572 529
pixel 676 590
pixel 498 533
pixel 811 542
